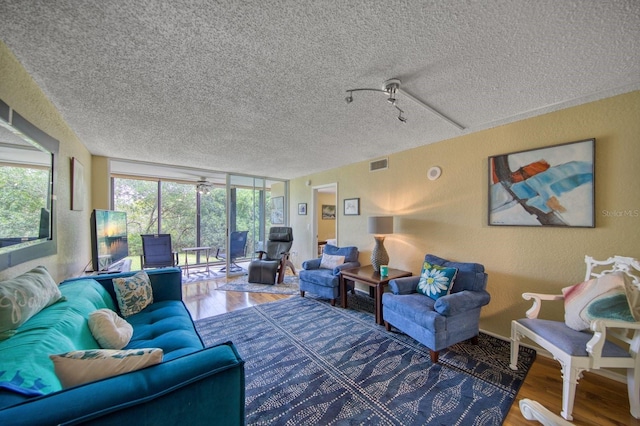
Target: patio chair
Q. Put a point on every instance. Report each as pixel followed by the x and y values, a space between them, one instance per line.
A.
pixel 600 329
pixel 237 249
pixel 157 252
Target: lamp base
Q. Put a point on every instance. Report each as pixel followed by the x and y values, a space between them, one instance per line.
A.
pixel 379 254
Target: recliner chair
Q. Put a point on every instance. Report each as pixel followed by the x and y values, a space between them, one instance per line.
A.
pixel 274 259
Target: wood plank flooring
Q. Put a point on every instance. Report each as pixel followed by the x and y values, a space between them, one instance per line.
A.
pixel 599 401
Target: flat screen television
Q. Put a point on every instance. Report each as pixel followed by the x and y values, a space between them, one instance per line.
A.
pixel 109 244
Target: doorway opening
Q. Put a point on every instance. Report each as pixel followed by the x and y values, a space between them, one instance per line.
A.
pixel 324 211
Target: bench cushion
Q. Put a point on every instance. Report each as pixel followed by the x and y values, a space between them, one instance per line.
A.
pixel 568 340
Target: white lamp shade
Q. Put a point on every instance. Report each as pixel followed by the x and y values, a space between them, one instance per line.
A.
pixel 381 225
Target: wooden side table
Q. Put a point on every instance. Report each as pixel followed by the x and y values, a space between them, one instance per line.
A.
pixel 367 275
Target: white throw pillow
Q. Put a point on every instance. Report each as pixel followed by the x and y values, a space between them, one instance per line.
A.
pixel 133 293
pixel 24 296
pixel 331 261
pixel 109 329
pixel 79 367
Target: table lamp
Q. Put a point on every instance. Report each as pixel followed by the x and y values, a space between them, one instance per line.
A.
pixel 380 225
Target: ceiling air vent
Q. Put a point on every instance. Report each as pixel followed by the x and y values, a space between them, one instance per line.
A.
pixel 376 165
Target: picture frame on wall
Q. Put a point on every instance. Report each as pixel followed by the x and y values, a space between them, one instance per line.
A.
pixel 352 206
pixel 552 186
pixel 328 212
pixel 277 210
pixel 302 209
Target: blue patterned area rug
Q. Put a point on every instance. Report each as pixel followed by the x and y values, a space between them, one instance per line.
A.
pixel 308 363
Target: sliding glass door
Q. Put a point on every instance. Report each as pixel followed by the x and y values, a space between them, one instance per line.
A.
pixel 231 214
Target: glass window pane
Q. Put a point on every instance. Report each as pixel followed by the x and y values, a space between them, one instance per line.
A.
pixel 178 215
pixel 139 199
pixel 213 219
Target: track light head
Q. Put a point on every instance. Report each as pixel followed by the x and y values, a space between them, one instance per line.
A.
pixel 349 98
pixel 391 87
pixel 400 117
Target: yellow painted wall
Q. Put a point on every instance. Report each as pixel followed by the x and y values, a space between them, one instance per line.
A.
pixel 448 217
pixel 20 91
pixel 101 183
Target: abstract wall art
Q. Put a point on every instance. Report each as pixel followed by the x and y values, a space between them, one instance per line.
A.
pixel 550 186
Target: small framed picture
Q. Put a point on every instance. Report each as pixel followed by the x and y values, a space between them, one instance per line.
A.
pixel 352 206
pixel 302 209
pixel 328 212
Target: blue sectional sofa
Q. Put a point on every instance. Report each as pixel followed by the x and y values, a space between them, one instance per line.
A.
pixel 192 385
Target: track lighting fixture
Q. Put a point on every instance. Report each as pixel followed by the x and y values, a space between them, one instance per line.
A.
pixel 391 88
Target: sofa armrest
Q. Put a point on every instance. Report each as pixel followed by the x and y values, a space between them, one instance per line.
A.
pixel 311 264
pixel 406 285
pixel 455 303
pixel 207 386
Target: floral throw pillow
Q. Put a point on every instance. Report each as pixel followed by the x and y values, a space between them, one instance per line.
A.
pixel 78 367
pixel 133 293
pixel 435 280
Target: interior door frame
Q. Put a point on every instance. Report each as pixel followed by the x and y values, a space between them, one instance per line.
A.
pixel 314 213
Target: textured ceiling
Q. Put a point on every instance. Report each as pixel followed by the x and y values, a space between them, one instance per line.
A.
pixel 258 86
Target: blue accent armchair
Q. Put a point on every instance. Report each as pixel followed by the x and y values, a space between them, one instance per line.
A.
pixel 440 323
pixel 326 282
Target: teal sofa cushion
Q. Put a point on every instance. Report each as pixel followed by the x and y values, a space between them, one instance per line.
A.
pixel 26 368
pixel 166 325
